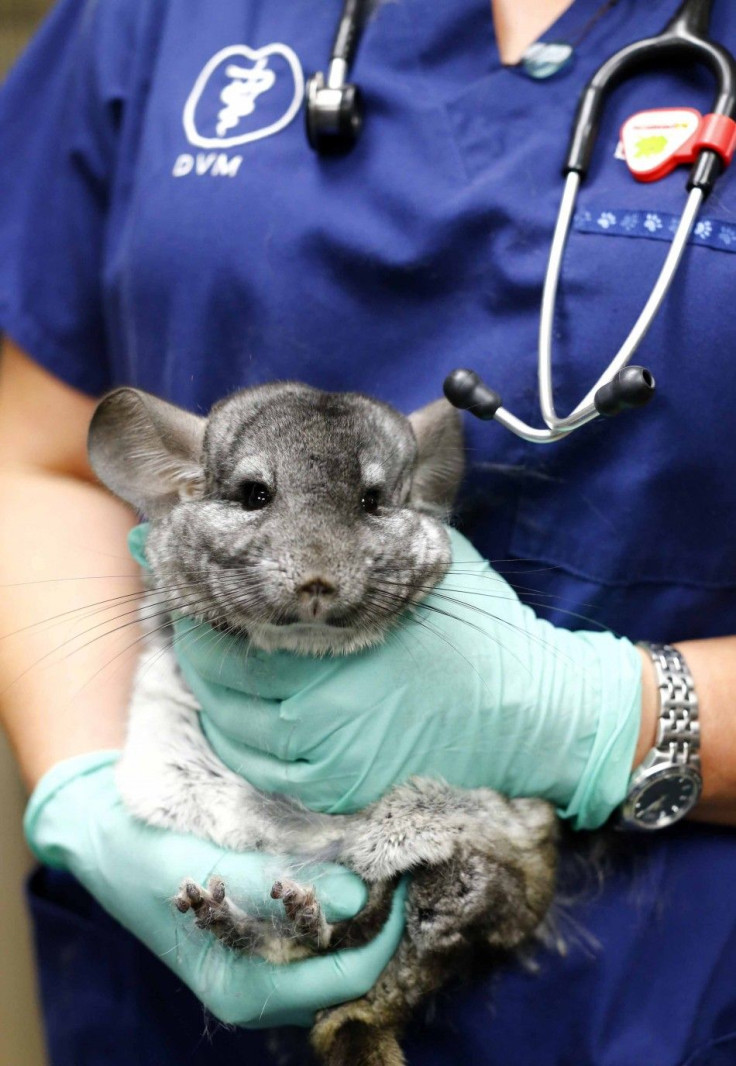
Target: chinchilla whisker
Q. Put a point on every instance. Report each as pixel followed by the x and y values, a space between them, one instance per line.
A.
pixel 53 651
pixel 100 604
pixel 569 614
pixel 123 651
pixel 138 617
pixel 398 633
pixel 535 638
pixel 177 602
pixel 220 645
pixel 190 637
pixel 42 658
pixel 163 613
pixel 426 605
pixel 141 612
pixel 547 600
pixel 236 606
pixel 502 566
pixel 460 602
pixel 508 593
pixel 156 630
pixel 456 566
pixel 378 611
pixel 248 592
pixel 532 590
pixel 59 580
pixel 389 597
pixel 424 623
pixel 544 599
pixel 529 602
pixel 491 576
pixel 507 596
pixel 433 608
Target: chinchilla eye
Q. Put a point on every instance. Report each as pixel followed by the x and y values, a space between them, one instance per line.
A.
pixel 370 501
pixel 254 495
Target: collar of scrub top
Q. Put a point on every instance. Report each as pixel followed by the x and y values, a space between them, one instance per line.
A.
pixel 334 117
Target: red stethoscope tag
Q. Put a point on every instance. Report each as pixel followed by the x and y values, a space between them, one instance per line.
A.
pixel 655 142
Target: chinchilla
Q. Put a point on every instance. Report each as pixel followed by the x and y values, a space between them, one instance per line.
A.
pixel 284 516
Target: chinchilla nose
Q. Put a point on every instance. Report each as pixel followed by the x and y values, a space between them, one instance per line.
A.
pixel 315 586
pixel 316 596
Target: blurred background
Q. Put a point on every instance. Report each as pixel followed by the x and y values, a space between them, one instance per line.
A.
pixel 21 1037
pixel 18 19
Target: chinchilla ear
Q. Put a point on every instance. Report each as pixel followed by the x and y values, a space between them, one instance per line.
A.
pixel 440 456
pixel 146 451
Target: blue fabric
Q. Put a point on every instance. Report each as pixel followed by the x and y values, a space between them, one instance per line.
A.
pixel 140 250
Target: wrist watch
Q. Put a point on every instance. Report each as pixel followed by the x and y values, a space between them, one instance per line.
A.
pixel 667 783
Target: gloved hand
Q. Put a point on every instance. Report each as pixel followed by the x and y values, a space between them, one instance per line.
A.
pixel 472 688
pixel 75 820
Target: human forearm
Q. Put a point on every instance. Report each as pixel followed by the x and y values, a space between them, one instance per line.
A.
pixel 63 683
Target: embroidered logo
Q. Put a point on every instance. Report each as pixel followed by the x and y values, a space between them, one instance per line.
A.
pixel 243 94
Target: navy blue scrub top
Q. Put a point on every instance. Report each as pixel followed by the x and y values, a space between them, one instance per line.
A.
pixel 164 224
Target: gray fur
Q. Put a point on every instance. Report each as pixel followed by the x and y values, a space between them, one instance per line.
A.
pixel 317 569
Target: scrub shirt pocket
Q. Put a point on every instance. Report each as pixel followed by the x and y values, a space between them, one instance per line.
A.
pixel 636 507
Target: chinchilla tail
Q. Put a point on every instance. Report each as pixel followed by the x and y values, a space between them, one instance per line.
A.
pixel 354 1042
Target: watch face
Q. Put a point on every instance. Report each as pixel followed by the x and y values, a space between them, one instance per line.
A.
pixel 665 797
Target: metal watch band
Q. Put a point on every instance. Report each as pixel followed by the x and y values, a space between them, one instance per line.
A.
pixel 678 729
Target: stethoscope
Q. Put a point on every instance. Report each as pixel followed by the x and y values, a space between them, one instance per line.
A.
pixel 334 112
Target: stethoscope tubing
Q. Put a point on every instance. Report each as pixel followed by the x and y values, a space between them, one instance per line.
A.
pixel 586 409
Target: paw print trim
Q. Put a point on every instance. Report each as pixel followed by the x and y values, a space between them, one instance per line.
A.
pixel 654 225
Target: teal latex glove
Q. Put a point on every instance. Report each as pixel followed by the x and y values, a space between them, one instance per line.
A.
pixel 75 820
pixel 473 688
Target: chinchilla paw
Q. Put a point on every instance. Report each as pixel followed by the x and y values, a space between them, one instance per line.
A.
pixel 303 911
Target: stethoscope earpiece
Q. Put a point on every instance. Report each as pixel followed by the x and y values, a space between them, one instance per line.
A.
pixel 334 115
pixel 631 387
pixel 466 390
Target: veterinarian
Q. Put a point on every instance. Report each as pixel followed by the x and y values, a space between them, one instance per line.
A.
pixel 163 223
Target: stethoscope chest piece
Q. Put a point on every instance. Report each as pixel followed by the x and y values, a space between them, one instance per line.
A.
pixel 334 115
pixel 334 106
